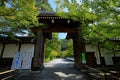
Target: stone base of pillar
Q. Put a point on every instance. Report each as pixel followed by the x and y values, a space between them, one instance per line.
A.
pixel 38 68
pixel 80 66
pixel 35 68
pixel 41 67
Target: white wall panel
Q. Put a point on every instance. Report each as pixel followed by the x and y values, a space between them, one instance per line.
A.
pixel 108 59
pixel 27 51
pixel 97 56
pixel 90 48
pixel 27 48
pixel 117 54
pixel 108 56
pixel 10 50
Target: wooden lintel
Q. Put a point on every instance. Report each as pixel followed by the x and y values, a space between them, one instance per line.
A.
pixel 60 29
pixel 48 35
pixel 55 29
pixel 71 35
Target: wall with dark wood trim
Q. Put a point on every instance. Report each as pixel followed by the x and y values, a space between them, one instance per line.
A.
pixel 103 58
pixel 12 49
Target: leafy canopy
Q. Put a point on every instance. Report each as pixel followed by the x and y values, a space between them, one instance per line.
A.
pixel 100 18
pixel 52 47
pixel 16 15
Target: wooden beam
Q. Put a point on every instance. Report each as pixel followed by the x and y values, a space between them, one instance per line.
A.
pixel 56 29
pixel 47 35
pixel 71 35
pixel 19 46
pixel 60 29
pixel 3 48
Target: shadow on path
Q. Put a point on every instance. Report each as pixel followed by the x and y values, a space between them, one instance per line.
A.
pixel 58 69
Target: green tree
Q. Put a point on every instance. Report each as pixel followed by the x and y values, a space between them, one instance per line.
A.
pixel 17 15
pixel 100 19
pixel 66 48
pixel 52 47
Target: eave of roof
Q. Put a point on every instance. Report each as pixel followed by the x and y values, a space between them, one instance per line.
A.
pixel 17 40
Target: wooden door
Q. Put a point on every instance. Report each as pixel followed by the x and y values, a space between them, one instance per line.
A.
pixel 90 59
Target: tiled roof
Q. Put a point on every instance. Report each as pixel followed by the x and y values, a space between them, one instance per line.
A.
pixel 115 39
pixel 46 12
pixel 17 39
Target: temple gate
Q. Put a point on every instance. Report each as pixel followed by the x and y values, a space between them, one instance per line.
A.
pixel 57 24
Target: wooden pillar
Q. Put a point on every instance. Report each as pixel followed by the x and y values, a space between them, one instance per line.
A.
pixel 19 46
pixel 79 48
pixel 1 56
pixel 38 58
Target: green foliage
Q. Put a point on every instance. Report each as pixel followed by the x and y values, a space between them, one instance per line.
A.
pixel 66 48
pixel 45 6
pixel 100 19
pixel 47 59
pixel 18 15
pixel 52 48
pixel 58 48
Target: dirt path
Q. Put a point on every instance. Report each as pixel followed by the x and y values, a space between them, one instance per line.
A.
pixel 57 69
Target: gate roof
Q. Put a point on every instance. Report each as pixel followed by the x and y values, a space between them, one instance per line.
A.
pixel 56 23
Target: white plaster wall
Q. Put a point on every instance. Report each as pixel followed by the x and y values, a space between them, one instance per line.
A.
pixel 1 46
pixel 108 56
pixel 118 54
pixel 97 56
pixel 90 48
pixel 10 50
pixel 108 59
pixel 102 52
pixel 27 48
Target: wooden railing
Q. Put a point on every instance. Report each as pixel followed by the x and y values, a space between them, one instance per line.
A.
pixel 103 75
pixel 7 75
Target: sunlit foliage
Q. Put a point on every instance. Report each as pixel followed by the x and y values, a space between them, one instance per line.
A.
pixel 52 49
pixel 16 15
pixel 100 19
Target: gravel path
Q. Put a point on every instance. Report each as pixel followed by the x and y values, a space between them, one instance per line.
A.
pixel 57 69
